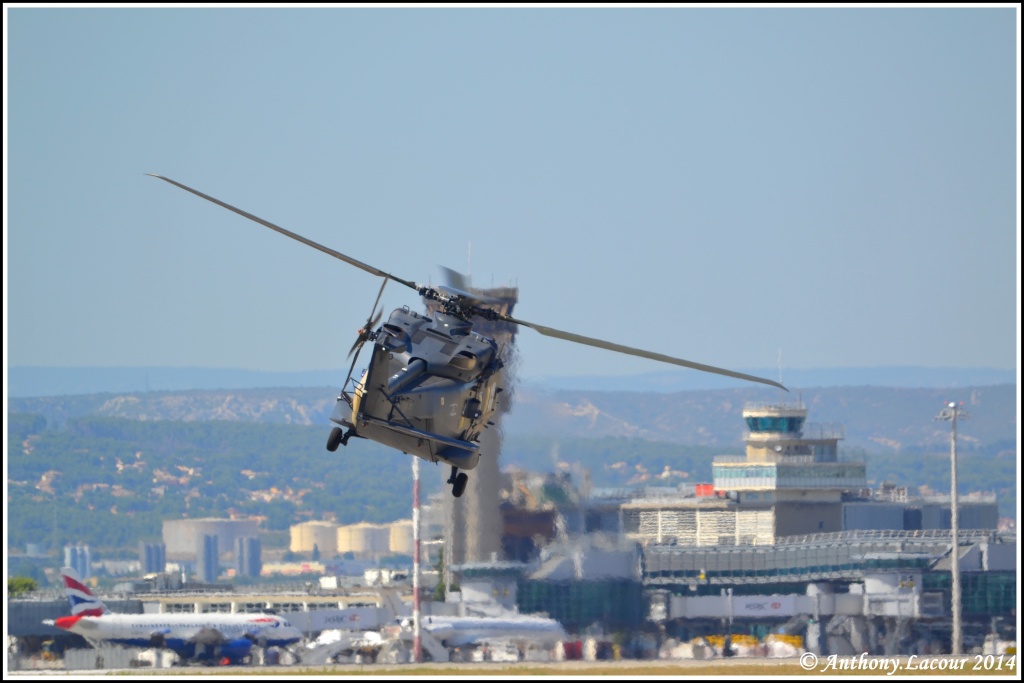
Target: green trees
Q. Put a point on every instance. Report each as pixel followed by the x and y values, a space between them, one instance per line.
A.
pixel 19 585
pixel 110 482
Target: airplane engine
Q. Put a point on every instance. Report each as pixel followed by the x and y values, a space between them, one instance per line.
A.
pixel 236 650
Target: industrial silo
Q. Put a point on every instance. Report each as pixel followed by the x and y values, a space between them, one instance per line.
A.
pixel 182 537
pixel 307 535
pixel 400 537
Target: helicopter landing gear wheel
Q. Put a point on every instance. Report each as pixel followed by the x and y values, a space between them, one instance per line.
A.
pixel 459 486
pixel 335 439
pixel 458 480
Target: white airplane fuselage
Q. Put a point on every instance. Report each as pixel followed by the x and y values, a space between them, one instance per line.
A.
pixel 457 631
pixel 178 631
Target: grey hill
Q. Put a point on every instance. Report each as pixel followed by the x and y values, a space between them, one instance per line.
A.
pixel 874 418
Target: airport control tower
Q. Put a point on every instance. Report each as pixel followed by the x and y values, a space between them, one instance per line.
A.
pixel 791 482
pixel 474 519
pixel 792 466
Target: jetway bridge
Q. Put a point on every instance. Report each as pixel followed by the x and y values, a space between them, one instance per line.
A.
pixel 846 556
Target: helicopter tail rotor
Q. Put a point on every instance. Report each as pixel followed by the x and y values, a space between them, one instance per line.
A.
pixel 365 332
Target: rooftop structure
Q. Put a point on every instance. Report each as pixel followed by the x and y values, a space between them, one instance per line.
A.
pixel 787 458
pixel 792 481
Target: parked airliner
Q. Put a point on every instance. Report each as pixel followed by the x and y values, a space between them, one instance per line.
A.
pixel 460 631
pixel 215 638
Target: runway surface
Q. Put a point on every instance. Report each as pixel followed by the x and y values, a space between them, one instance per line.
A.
pixel 737 667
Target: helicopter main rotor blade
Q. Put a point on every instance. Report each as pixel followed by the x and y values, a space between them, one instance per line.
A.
pixel 600 343
pixel 456 279
pixel 330 252
pixel 458 285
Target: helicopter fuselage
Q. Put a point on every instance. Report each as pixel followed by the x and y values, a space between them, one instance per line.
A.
pixel 430 389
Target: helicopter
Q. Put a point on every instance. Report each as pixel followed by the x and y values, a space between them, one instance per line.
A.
pixel 433 381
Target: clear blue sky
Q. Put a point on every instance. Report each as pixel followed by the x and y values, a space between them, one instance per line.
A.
pixel 840 184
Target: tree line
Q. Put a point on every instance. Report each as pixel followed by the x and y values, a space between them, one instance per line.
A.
pixel 111 482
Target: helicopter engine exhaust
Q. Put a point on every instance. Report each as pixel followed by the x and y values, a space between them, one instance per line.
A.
pixel 407 376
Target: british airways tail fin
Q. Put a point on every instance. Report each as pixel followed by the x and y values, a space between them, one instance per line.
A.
pixel 82 601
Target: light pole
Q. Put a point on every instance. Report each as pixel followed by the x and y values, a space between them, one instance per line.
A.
pixel 953 413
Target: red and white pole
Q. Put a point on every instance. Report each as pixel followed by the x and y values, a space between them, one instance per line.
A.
pixel 417 652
